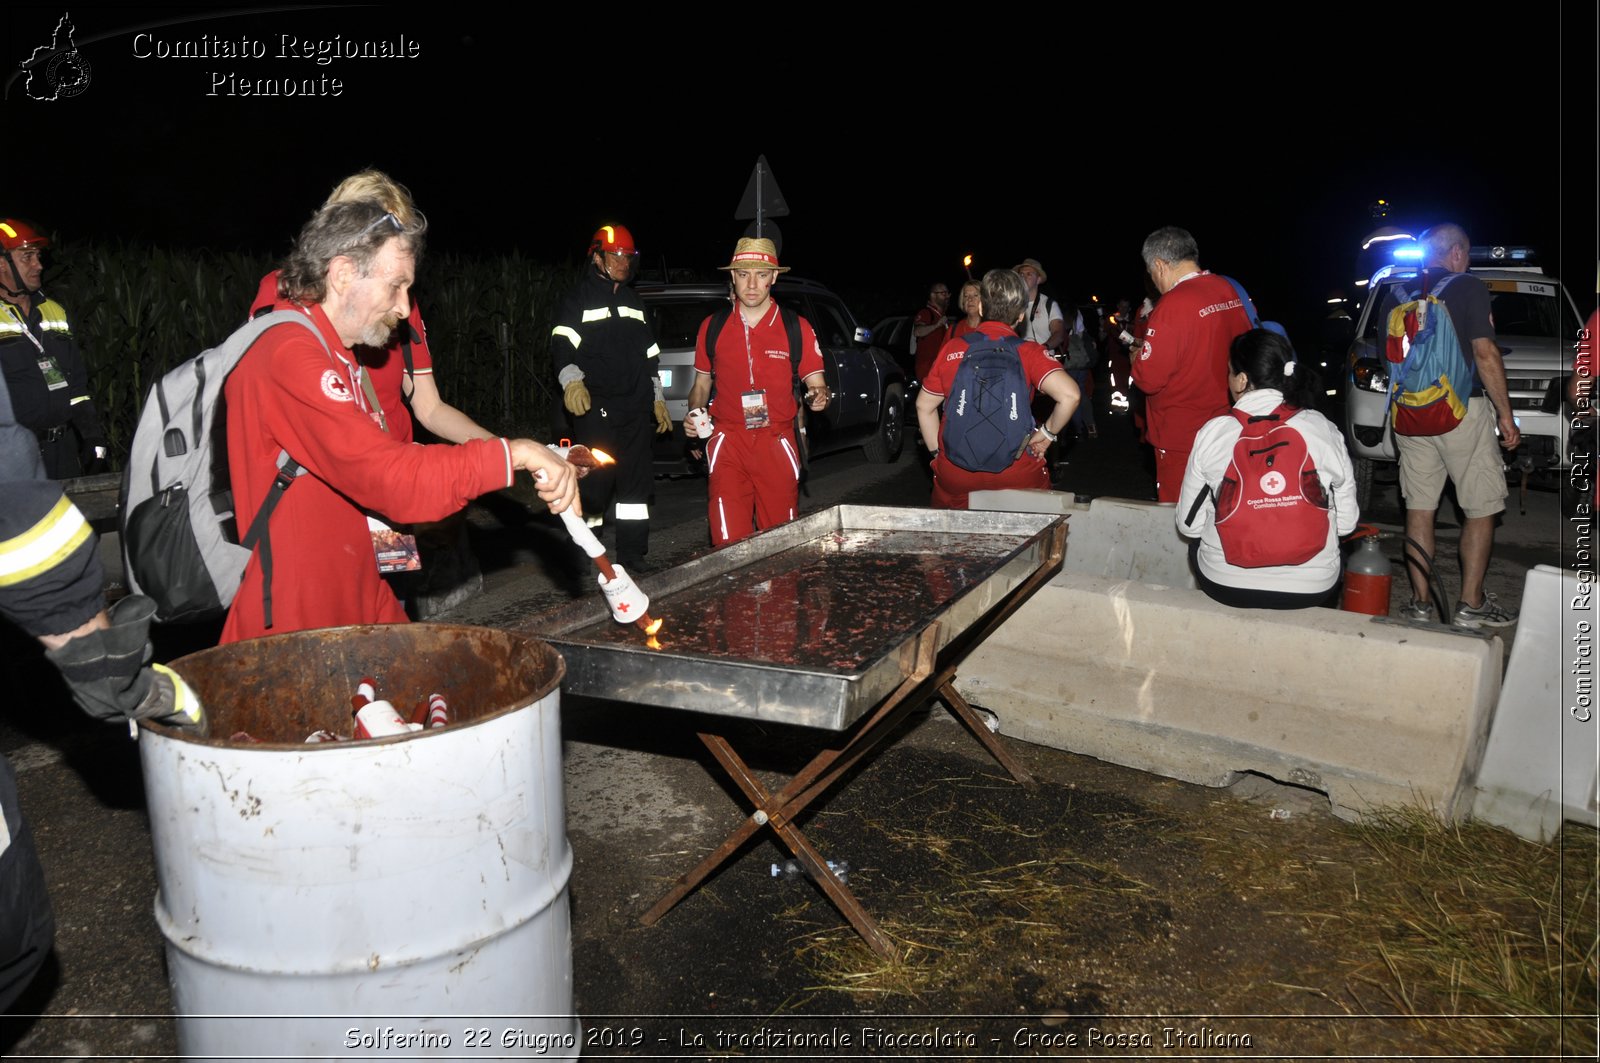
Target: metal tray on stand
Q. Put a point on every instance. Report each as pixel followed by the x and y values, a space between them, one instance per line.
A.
pixel 811 623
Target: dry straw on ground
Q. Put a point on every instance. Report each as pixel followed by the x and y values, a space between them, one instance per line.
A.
pixel 1466 938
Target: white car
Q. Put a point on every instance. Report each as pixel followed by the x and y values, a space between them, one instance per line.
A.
pixel 1536 324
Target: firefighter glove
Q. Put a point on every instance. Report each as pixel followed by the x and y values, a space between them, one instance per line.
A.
pixel 663 419
pixel 105 670
pixel 577 398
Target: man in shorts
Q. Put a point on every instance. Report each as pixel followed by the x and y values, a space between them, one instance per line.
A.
pixel 1467 455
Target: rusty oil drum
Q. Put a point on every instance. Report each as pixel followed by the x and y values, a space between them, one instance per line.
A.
pixel 361 898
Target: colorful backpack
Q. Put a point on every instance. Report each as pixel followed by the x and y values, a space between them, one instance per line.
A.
pixel 987 415
pixel 1429 378
pixel 1271 508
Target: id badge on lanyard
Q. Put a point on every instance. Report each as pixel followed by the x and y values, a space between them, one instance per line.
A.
pixel 54 378
pixel 756 414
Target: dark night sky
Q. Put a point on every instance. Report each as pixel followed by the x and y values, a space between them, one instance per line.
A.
pixel 1267 140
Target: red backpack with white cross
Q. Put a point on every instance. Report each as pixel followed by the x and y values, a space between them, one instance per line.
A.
pixel 1271 508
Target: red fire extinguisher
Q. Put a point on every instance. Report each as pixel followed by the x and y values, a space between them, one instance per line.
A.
pixel 1367 575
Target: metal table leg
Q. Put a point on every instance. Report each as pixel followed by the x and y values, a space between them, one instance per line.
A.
pixel 924 679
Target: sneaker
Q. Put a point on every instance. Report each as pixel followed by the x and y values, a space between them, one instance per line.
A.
pixel 1490 614
pixel 1417 610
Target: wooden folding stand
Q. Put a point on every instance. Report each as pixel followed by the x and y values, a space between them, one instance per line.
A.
pixel 930 674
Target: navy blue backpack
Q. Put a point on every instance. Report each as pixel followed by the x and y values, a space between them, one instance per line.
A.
pixel 987 415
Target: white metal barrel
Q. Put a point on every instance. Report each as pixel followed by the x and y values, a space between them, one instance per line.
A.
pixel 402 897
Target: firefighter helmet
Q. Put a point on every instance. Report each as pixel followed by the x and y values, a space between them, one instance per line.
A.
pixel 16 234
pixel 613 238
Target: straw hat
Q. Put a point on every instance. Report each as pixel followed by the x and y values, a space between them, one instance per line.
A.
pixel 753 253
pixel 1034 263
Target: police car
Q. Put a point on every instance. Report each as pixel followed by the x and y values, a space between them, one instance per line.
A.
pixel 1535 322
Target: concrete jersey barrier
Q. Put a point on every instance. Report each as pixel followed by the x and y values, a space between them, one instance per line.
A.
pixel 1120 658
pixel 1540 764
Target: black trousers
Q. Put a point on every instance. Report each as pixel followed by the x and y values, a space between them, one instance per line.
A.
pixel 27 925
pixel 624 430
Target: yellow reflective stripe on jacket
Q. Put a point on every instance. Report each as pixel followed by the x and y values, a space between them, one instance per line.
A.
pixel 631 311
pixel 52 318
pixel 77 399
pixel 653 352
pixel 43 546
pixel 597 314
pixel 10 321
pixel 570 335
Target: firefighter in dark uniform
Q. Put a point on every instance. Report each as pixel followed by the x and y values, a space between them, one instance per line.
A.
pixel 606 356
pixel 53 588
pixel 43 367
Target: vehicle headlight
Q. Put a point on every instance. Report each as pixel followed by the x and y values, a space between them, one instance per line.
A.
pixel 1369 374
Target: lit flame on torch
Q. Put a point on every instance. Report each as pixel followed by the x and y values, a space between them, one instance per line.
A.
pixel 966 264
pixel 576 455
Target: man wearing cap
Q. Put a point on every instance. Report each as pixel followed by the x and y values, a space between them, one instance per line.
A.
pixel 753 453
pixel 606 360
pixel 1042 321
pixel 1183 366
pixel 44 369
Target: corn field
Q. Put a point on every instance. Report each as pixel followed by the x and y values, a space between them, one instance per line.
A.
pixel 137 311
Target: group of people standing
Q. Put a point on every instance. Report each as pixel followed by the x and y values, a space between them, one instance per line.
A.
pixel 1215 379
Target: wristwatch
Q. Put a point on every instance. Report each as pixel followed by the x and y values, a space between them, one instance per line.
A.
pixel 1051 436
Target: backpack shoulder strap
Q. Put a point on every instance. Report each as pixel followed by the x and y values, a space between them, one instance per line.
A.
pixel 1244 298
pixel 714 327
pixel 408 336
pixel 288 471
pixel 791 325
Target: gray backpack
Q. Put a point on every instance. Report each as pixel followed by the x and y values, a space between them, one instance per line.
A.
pixel 180 540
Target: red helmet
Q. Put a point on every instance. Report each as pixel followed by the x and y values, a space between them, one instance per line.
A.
pixel 612 238
pixel 16 234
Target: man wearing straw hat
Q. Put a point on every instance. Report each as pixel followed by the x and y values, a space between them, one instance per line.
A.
pixel 753 451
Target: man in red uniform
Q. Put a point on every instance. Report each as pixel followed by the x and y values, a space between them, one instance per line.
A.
pixel 931 327
pixel 752 454
pixel 1183 366
pixel 1005 299
pixel 401 371
pixel 350 273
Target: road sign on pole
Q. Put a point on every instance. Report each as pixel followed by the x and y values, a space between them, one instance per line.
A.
pixel 762 199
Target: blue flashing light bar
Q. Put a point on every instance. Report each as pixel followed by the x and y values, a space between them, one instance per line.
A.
pixel 1408 253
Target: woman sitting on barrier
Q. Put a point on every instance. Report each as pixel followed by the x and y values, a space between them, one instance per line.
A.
pixel 1269 489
